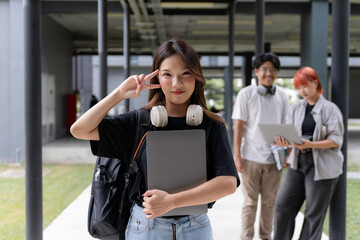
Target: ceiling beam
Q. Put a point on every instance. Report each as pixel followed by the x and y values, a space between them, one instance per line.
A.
pixel 200 53
pixel 273 7
pixel 49 7
pixel 77 7
pixel 201 1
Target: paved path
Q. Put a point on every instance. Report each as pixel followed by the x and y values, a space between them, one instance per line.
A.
pixel 225 219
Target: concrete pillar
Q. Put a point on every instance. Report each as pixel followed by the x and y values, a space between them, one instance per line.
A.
pixel 126 47
pixel 247 68
pixel 102 46
pixel 340 96
pixel 229 81
pixel 33 166
pixel 314 40
pixel 260 35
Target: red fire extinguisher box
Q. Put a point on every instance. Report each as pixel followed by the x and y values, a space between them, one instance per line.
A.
pixel 71 109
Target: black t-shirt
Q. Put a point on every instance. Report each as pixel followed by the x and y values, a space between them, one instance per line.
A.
pixel 117 138
pixel 308 125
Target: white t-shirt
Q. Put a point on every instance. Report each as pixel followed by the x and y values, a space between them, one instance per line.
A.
pixel 253 109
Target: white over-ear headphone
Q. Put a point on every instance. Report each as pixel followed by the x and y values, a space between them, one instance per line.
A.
pixel 159 117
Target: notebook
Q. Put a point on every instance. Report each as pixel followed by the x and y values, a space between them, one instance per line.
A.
pixel 176 161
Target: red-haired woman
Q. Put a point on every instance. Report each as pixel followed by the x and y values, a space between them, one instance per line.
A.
pixel 315 165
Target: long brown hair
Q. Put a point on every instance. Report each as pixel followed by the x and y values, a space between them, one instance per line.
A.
pixel 186 51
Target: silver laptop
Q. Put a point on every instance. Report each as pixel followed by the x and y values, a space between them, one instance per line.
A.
pixel 288 131
pixel 176 161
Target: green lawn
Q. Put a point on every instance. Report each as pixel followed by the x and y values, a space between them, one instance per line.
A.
pixel 61 186
pixel 353 169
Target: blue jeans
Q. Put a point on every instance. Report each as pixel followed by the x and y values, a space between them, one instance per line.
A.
pixel 184 228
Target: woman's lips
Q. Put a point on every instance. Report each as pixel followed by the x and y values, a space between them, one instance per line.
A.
pixel 179 92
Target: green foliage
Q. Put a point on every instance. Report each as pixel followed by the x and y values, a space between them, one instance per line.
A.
pixel 215 90
pixel 61 186
pixel 286 83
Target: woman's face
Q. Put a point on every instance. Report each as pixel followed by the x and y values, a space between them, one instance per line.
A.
pixel 266 74
pixel 308 91
pixel 178 83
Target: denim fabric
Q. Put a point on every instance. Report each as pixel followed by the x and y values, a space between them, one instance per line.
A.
pixel 187 228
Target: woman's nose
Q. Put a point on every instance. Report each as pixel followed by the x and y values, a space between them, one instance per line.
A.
pixel 176 81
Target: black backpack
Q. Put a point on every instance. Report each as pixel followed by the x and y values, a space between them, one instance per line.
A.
pixel 111 201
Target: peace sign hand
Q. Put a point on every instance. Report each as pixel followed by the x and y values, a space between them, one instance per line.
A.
pixel 133 85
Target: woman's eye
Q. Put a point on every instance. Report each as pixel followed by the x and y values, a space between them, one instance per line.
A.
pixel 166 74
pixel 186 73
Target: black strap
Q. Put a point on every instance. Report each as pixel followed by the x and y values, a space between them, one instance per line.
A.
pixel 143 117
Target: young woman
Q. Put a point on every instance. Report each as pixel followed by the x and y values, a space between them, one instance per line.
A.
pixel 176 82
pixel 315 165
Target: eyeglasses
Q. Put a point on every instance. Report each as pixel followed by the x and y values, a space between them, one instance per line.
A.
pixel 270 70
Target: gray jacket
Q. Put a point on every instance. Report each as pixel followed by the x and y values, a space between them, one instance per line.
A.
pixel 329 125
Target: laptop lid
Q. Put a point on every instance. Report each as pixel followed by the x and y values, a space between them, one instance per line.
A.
pixel 176 161
pixel 288 131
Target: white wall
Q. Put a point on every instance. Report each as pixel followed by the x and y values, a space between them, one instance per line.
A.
pixel 5 118
pixel 12 99
pixel 56 61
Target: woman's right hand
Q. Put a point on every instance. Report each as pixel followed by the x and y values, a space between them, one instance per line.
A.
pixel 133 85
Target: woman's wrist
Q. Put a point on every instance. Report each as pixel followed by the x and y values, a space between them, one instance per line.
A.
pixel 116 96
pixel 172 198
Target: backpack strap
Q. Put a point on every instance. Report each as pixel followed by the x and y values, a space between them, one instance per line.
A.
pixel 143 117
